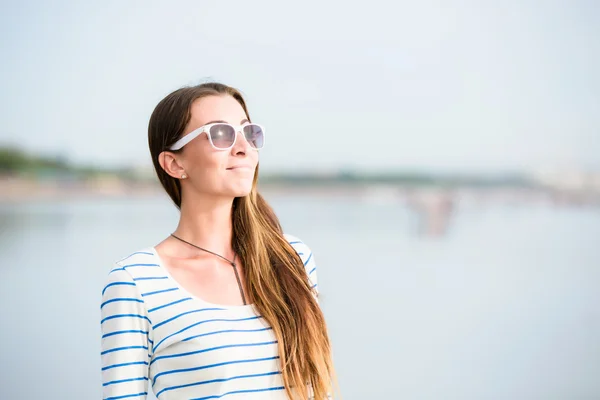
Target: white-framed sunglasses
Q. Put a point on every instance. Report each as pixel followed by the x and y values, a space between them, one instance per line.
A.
pixel 222 136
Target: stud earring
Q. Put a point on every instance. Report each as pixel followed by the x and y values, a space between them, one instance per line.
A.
pixel 183 176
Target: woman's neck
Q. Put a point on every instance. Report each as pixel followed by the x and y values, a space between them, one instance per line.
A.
pixel 208 225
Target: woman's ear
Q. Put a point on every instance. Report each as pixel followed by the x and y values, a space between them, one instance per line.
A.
pixel 169 162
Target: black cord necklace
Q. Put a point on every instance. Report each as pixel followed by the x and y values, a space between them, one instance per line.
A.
pixel 233 264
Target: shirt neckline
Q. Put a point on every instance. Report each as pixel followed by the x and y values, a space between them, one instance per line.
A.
pixel 249 307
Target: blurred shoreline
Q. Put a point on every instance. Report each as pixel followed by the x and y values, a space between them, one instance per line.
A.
pixel 31 177
pixel 15 189
pixel 22 189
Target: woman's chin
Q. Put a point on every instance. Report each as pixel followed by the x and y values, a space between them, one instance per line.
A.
pixel 240 190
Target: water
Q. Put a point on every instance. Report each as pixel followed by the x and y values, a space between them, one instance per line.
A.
pixel 506 306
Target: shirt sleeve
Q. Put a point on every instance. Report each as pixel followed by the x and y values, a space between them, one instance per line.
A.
pixel 308 259
pixel 311 268
pixel 126 338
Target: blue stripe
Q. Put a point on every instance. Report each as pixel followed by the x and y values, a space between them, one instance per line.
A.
pixel 296 242
pixel 150 278
pixel 238 392
pixel 123 348
pixel 159 291
pixel 203 322
pixel 141 378
pixel 176 371
pixel 133 254
pixel 218 380
pixel 312 270
pixel 127 396
pixel 308 259
pixel 117 283
pixel 169 304
pixel 141 265
pixel 126 315
pixel 116 269
pixel 120 299
pixel 151 341
pixel 226 331
pixel 125 365
pixel 314 286
pixel 185 313
pixel 122 332
pixel 213 348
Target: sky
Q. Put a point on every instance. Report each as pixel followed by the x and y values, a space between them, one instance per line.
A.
pixel 379 85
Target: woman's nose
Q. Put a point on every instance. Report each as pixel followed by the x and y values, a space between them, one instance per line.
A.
pixel 241 144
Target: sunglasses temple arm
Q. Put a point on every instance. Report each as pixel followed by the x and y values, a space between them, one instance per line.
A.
pixel 186 139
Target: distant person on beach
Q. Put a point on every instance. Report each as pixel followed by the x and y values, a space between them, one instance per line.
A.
pixel 226 305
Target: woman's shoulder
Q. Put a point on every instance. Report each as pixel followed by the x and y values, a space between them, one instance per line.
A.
pixel 140 257
pixel 301 248
pixel 296 243
pixel 135 264
pixel 306 256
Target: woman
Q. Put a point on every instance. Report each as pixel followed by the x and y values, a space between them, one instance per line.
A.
pixel 226 305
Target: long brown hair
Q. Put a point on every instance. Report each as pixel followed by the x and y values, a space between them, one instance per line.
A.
pixel 276 279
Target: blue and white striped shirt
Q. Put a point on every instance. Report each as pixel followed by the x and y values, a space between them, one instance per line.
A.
pixel 156 333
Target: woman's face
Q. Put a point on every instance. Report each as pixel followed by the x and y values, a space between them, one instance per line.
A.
pixel 221 173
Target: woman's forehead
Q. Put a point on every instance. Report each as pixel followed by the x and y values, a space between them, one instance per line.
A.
pixel 217 108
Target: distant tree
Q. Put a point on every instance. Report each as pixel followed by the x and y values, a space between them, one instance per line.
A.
pixel 16 160
pixel 12 159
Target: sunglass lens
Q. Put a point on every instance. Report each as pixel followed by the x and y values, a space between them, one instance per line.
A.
pixel 222 135
pixel 254 135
